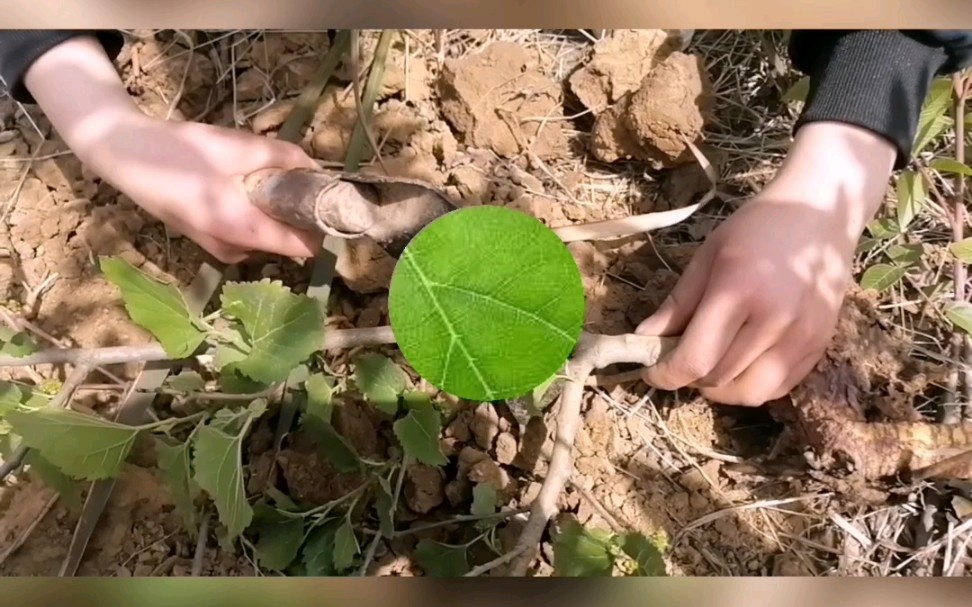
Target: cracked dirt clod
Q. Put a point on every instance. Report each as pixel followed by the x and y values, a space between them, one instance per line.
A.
pixel 477 90
pixel 654 122
pixel 619 63
pixel 424 487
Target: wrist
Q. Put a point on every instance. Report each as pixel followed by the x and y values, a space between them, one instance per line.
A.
pixel 98 106
pixel 840 169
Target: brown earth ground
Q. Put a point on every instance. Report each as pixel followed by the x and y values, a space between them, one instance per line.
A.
pixel 543 121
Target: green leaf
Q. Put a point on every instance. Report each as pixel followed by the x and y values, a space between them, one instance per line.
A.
pixel 278 542
pixel 933 120
pixel 884 228
pixel 282 327
pixel 912 194
pixel 950 165
pixel 175 466
pixel 83 446
pixel 441 560
pixel 218 462
pixel 186 381
pixel 580 552
pixel 385 506
pixel 332 445
pixel 381 381
pixel 418 432
pixel 647 554
pixel 318 552
pixel 906 254
pixel 345 546
pixel 15 343
pixel 486 303
pixel 882 276
pixel 799 90
pixel 231 381
pixel 484 500
pixel 156 306
pixel 53 477
pixel 320 393
pixel 10 397
pixel 962 250
pixel 960 313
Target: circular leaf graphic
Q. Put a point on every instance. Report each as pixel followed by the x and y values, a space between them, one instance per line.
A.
pixel 486 303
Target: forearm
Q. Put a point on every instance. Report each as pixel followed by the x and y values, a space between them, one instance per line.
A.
pixel 98 103
pixel 875 79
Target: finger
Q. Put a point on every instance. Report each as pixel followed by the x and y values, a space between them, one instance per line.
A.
pixel 259 231
pixel 222 251
pixel 709 334
pixel 771 376
pixel 675 312
pixel 755 337
pixel 286 155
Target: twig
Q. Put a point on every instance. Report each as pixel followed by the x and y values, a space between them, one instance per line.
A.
pixel 961 348
pixel 369 555
pixel 497 562
pixel 200 554
pixel 593 352
pixel 338 339
pixel 358 100
pixel 464 518
pixel 616 526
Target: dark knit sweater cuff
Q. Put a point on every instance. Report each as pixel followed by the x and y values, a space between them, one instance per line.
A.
pixel 877 80
pixel 19 49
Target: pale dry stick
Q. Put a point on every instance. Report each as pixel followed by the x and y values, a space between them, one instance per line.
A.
pixel 153 352
pixel 714 516
pixel 593 352
pixel 611 520
pixel 185 74
pixel 199 556
pixel 497 562
pixel 358 103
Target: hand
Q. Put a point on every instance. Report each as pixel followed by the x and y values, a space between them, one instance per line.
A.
pixel 188 175
pixel 757 305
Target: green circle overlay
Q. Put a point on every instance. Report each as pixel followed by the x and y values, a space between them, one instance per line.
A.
pixel 486 303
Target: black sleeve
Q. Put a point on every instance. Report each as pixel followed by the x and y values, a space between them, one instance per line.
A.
pixel 876 79
pixel 20 48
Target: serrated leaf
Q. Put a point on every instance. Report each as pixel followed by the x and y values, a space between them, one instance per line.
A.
pixel 15 343
pixel 278 543
pixel 418 432
pixel 647 554
pixel 156 306
pixel 960 314
pixel 218 463
pixel 332 445
pixel 318 551
pixel 320 393
pixel 298 375
pixel 175 466
pixel 440 560
pixel 381 381
pixel 53 477
pixel 911 196
pixel 346 546
pixel 950 165
pixel 484 500
pixel 884 228
pixel 882 276
pixel 384 507
pixel 416 400
pixel 581 552
pixel 962 250
pixel 186 381
pixel 283 328
pixel 83 446
pixel 486 303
